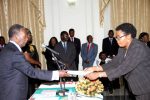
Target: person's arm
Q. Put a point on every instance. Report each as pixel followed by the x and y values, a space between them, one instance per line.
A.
pixel 30 59
pixel 22 65
pixel 57 74
pixel 115 61
pixel 133 58
pixel 78 46
pixel 108 66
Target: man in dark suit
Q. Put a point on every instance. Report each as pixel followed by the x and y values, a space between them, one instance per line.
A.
pixel 110 45
pixel 67 52
pixel 77 45
pixel 14 68
pixel 132 62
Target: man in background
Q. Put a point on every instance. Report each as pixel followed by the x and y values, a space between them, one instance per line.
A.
pixel 88 52
pixel 110 45
pixel 67 53
pixel 77 45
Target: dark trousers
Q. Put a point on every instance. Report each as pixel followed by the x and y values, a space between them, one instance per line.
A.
pixel 107 84
pixel 116 84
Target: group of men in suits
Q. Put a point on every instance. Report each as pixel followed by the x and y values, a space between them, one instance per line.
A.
pixel 69 49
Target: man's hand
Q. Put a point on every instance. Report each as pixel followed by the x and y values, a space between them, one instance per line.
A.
pixel 87 61
pixel 63 73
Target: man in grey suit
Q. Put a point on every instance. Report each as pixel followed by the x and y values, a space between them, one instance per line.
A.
pixel 88 52
pixel 132 62
pixel 14 68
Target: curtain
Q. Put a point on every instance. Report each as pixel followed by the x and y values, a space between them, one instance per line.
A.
pixel 136 12
pixel 103 4
pixel 29 13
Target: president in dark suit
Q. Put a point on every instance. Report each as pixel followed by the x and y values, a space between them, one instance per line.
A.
pixel 110 45
pixel 77 45
pixel 15 69
pixel 132 62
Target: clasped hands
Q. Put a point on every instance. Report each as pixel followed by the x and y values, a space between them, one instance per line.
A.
pixel 97 72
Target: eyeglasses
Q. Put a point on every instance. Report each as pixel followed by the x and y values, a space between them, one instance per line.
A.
pixel 118 38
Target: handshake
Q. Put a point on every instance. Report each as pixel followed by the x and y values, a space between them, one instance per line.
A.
pixel 97 72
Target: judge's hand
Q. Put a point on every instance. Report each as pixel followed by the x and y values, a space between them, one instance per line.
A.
pixel 92 76
pixel 63 73
pixel 95 75
pixel 94 68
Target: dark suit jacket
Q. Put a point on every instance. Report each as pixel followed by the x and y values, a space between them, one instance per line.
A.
pixel 148 44
pixel 51 64
pixel 67 57
pixel 77 45
pixel 135 67
pixel 14 72
pixel 109 49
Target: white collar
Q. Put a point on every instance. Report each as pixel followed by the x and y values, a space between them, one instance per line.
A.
pixel 16 45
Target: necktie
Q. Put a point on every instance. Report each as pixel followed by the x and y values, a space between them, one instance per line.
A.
pixel 111 41
pixel 88 47
pixel 65 46
pixel 71 39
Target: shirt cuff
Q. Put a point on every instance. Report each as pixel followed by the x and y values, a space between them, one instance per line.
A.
pixel 55 75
